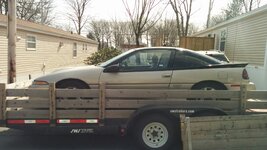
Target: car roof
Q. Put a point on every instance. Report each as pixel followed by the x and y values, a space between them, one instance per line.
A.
pixel 163 47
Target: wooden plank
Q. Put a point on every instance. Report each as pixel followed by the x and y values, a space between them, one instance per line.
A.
pixel 165 93
pixel 243 99
pixel 28 103
pixel 94 93
pixel 228 125
pixel 2 101
pixel 28 92
pixel 68 114
pixel 124 103
pixel 256 112
pixel 229 134
pixel 52 103
pixel 188 133
pixel 102 101
pixel 28 114
pixel 256 104
pixel 229 144
pixel 257 95
pixel 91 103
pixel 184 133
pixel 228 118
pixel 93 113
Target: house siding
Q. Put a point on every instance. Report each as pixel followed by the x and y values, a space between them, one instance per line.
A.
pixel 47 56
pixel 246 38
pixel 3 53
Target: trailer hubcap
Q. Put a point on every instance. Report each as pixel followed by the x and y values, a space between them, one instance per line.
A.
pixel 155 135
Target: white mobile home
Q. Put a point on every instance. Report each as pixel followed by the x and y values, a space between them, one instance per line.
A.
pixel 244 39
pixel 40 49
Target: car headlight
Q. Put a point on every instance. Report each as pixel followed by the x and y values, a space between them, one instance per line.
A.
pixel 36 82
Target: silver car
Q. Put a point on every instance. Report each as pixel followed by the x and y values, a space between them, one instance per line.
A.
pixel 152 67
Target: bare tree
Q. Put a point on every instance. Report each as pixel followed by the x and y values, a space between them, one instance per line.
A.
pixel 101 31
pixel 77 13
pixel 217 19
pixel 182 9
pixel 3 7
pixel 250 4
pixel 95 30
pixel 119 30
pixel 211 2
pixel 143 15
pixel 234 8
pixel 192 29
pixel 164 33
pixel 35 11
pixel 106 29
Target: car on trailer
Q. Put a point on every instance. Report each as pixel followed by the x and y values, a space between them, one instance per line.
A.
pixel 152 67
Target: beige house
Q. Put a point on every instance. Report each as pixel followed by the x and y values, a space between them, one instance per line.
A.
pixel 244 39
pixel 41 49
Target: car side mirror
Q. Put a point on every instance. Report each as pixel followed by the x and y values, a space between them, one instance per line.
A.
pixel 112 69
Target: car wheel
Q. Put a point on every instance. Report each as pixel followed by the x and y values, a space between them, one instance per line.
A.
pixel 155 132
pixel 209 86
pixel 72 84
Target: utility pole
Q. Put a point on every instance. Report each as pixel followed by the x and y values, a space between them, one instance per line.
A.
pixel 12 37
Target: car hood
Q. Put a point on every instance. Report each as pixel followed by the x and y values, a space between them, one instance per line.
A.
pixel 88 74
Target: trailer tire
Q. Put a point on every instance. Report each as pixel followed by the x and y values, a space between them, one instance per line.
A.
pixel 155 132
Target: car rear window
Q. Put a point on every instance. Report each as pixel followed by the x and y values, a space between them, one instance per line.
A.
pixel 189 60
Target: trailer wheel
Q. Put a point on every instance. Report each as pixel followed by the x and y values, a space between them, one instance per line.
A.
pixel 155 132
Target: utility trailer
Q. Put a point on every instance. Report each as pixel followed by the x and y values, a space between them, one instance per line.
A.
pixel 152 116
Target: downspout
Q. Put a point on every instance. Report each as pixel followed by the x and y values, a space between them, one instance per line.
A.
pixel 265 67
pixel 265 59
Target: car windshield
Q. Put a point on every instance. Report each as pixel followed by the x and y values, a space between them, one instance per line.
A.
pixel 104 64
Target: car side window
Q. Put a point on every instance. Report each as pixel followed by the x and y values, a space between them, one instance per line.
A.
pixel 146 60
pixel 186 61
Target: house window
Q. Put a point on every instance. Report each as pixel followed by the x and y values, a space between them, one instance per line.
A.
pixel 222 40
pixel 31 43
pixel 84 47
pixel 74 54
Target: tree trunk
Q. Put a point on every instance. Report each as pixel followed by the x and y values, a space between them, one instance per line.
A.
pixel 137 40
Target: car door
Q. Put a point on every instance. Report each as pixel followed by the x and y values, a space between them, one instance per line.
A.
pixel 149 68
pixel 189 69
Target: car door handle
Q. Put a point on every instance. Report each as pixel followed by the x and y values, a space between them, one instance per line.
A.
pixel 166 76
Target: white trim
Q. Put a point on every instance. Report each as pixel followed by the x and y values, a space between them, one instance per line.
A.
pixel 29 121
pixel 71 37
pixel 75 49
pixel 265 58
pixel 64 121
pixel 91 121
pixel 27 42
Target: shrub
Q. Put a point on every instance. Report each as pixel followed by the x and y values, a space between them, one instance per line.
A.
pixel 102 56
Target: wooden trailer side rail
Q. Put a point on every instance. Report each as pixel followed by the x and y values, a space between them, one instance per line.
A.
pixel 224 132
pixel 2 102
pixel 105 103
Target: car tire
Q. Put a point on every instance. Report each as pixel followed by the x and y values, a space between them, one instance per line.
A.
pixel 207 86
pixel 72 84
pixel 155 132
